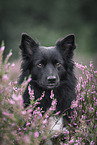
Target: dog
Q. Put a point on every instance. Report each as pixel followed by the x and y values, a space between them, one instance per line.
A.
pixel 51 68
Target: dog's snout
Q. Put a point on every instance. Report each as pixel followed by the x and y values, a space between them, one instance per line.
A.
pixel 51 79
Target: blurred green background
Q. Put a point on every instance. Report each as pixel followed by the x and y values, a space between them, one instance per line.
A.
pixel 48 21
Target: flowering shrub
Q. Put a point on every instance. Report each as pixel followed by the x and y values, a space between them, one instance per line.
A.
pixel 20 126
pixel 83 127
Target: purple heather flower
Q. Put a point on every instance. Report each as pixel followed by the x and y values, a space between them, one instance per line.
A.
pixel 13 65
pixel 6 113
pixel 71 141
pixel 31 92
pixel 27 124
pixel 2 48
pixel 57 113
pixel 5 77
pixel 17 98
pixel 11 101
pixel 92 143
pixel 36 134
pixel 52 94
pixel 24 112
pixel 27 139
pixel 44 121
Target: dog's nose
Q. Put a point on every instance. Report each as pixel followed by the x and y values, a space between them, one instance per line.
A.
pixel 51 79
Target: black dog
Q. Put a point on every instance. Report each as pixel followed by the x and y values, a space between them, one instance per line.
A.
pixel 51 68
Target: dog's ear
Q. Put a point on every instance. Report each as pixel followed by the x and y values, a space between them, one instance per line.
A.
pixel 27 44
pixel 67 44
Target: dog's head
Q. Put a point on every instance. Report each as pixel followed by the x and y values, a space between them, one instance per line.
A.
pixel 48 66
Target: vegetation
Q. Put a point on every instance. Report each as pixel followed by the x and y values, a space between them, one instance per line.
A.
pixel 48 21
pixel 20 126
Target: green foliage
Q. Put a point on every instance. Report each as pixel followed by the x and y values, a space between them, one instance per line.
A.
pixel 48 20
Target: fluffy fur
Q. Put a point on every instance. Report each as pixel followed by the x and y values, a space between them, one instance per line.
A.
pixel 51 68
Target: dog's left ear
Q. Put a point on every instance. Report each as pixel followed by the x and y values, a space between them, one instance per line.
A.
pixel 67 44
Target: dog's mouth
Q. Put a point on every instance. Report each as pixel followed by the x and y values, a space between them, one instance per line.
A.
pixel 51 86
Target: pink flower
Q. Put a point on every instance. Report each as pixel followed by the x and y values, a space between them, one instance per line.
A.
pixel 27 139
pixel 75 123
pixel 10 84
pixel 5 77
pixel 25 128
pixel 6 113
pixel 16 98
pixel 54 102
pixel 9 54
pixel 44 121
pixel 24 112
pixel 80 66
pixel 74 104
pixel 11 101
pixel 2 48
pixel 19 129
pixel 52 94
pixel 13 65
pixel 91 64
pixel 31 92
pixel 92 143
pixel 27 124
pixel 36 134
pixel 43 94
pixel 29 110
pixel 29 80
pixel 53 107
pixel 57 113
pixel 13 124
pixel 95 72
pixel 55 135
pixel 71 141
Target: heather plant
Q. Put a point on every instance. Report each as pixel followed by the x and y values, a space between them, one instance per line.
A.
pixel 19 125
pixel 83 127
pixel 29 127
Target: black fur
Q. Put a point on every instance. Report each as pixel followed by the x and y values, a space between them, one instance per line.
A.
pixel 50 68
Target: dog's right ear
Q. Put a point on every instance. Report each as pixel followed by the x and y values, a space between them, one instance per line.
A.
pixel 28 45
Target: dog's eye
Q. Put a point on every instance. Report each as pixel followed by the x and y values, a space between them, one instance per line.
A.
pixel 58 64
pixel 40 65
